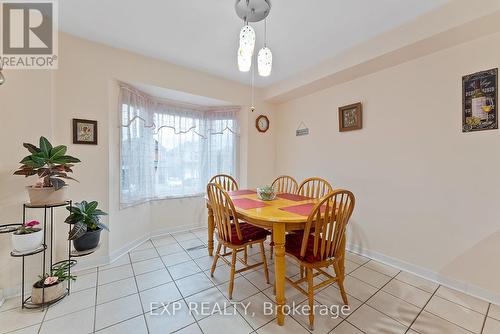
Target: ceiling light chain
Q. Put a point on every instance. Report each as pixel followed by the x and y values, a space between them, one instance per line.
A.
pixel 252 108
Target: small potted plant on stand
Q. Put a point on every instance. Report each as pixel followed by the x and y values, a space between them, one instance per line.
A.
pixel 52 165
pixel 51 287
pixel 27 237
pixel 87 225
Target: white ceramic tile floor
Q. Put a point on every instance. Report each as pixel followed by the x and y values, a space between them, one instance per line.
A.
pixel 491 326
pixel 146 266
pixel 494 311
pixel 117 298
pixel 115 290
pixel 153 279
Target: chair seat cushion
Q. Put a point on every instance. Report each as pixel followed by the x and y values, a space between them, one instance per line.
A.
pixel 248 232
pixel 293 244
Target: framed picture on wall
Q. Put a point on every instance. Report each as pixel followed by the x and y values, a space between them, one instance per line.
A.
pixel 480 101
pixel 84 131
pixel 351 117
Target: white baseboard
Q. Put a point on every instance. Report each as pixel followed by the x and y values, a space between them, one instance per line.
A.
pixel 87 263
pixel 430 275
pixel 92 262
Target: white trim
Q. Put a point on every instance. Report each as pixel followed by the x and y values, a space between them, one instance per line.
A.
pixel 85 263
pixel 467 288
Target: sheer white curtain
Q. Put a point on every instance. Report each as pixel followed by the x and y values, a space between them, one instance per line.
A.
pixel 170 149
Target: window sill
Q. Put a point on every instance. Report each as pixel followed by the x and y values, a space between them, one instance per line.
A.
pixel 157 199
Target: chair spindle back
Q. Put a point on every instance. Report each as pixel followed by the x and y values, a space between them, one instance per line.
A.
pixel 227 182
pixel 285 184
pixel 315 187
pixel 328 220
pixel 224 212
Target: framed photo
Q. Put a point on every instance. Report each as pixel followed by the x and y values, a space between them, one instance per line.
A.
pixel 84 131
pixel 480 101
pixel 351 117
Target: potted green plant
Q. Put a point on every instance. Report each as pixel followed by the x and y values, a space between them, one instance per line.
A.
pixel 87 226
pixel 27 237
pixel 51 165
pixel 51 287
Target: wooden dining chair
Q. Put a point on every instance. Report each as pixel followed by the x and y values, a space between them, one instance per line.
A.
pixel 227 182
pixel 233 235
pixel 314 187
pixel 285 184
pixel 316 251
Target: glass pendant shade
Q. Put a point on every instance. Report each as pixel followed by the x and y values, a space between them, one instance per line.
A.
pixel 247 39
pixel 244 60
pixel 265 61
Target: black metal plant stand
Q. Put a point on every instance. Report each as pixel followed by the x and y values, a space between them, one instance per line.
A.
pixel 48 218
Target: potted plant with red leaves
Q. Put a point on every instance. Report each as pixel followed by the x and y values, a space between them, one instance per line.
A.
pixel 51 165
pixel 27 237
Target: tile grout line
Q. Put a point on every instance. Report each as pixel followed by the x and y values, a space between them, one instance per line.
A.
pixel 422 309
pixel 138 293
pixel 217 287
pixel 340 323
pixel 463 306
pixel 95 301
pixel 43 320
pixel 239 276
pixel 177 287
pixel 485 318
pixel 365 302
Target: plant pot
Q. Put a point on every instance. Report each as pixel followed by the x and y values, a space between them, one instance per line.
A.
pixel 27 242
pixel 53 292
pixel 47 195
pixel 87 241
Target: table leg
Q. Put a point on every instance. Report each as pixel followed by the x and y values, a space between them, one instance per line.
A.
pixel 211 231
pixel 279 269
pixel 342 260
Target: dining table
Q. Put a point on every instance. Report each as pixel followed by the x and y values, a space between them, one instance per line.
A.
pixel 285 213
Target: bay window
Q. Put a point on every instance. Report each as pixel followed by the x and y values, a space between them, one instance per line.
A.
pixel 171 149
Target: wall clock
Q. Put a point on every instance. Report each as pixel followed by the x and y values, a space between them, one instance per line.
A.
pixel 262 123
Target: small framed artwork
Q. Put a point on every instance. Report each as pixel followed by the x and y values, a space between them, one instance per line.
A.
pixel 480 101
pixel 84 131
pixel 351 117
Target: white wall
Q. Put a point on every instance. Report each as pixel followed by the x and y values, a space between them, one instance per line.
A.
pixel 35 103
pixel 427 194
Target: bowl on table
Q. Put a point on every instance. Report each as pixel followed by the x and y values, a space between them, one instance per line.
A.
pixel 266 193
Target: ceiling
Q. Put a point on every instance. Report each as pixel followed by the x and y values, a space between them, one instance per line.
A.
pixel 178 96
pixel 203 34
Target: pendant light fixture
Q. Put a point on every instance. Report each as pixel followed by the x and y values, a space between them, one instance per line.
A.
pixel 244 60
pixel 253 11
pixel 247 45
pixel 247 39
pixel 265 57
